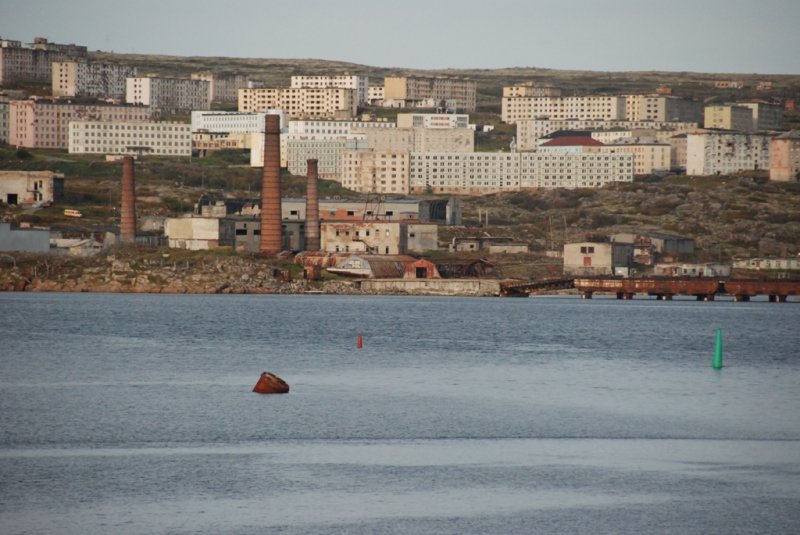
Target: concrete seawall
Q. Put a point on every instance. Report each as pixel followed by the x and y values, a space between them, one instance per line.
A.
pixel 467 287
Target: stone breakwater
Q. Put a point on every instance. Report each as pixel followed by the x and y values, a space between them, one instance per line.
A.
pixel 222 275
pixel 209 275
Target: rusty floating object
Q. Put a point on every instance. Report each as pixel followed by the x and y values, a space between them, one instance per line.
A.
pixel 269 383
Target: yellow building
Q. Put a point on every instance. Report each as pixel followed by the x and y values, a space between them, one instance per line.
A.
pixel 729 117
pixel 302 102
pixel 411 89
pixel 375 171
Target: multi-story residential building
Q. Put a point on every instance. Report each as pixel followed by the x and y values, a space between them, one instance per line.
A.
pixel 370 171
pixel 432 120
pixel 120 137
pixel 345 81
pixel 662 108
pixel 531 89
pixel 595 107
pixel 491 172
pixel 334 128
pixel 302 102
pixel 205 142
pixel 31 63
pixel 222 87
pixel 529 131
pixel 90 79
pixel 168 95
pixel 677 158
pixel 43 123
pixel 765 116
pixel 649 154
pixel 4 119
pixel 722 153
pixel 231 121
pixel 413 89
pixel 784 157
pixel 419 139
pixel 328 153
pixel 729 117
pixel 28 187
pixel 375 95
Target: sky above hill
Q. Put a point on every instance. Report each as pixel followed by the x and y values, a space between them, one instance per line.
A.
pixel 723 36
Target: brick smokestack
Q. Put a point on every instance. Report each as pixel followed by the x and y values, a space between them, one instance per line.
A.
pixel 127 227
pixel 312 207
pixel 271 242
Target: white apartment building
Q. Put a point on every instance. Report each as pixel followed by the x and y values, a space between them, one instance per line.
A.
pixel 419 139
pixel 301 103
pixel 233 122
pixel 649 154
pixel 328 153
pixel 531 89
pixel 31 63
pixel 90 79
pixel 360 84
pixel 222 87
pixel 723 153
pixel 43 123
pixel 168 95
pixel 369 171
pixel 516 109
pixel 334 128
pixel 375 95
pixel 662 108
pixel 480 173
pixel 529 131
pixel 433 120
pixel 132 138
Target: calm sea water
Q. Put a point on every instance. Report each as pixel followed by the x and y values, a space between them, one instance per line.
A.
pixel 133 414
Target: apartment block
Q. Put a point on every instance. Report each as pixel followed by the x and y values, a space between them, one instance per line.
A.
pixel 784 157
pixel 375 95
pixel 360 84
pixel 765 116
pixel 168 95
pixel 412 89
pixel 230 121
pixel 729 117
pixel 334 128
pixel 222 87
pixel 515 109
pixel 529 131
pixel 4 120
pixel 90 79
pixel 491 172
pixel 649 154
pixel 31 63
pixel 723 153
pixel 419 139
pixel 328 153
pixel 44 123
pixel 370 171
pixel 301 103
pixel 531 89
pixel 662 108
pixel 131 138
pixel 432 120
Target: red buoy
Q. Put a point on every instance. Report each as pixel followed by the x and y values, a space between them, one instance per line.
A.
pixel 360 342
pixel 269 383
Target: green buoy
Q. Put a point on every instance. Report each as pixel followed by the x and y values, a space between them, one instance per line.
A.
pixel 717 364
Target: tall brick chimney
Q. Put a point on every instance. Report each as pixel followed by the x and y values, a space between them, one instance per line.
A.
pixel 271 242
pixel 127 227
pixel 312 207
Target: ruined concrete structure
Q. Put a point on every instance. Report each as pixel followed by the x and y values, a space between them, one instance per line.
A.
pixel 127 227
pixel 271 188
pixel 312 207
